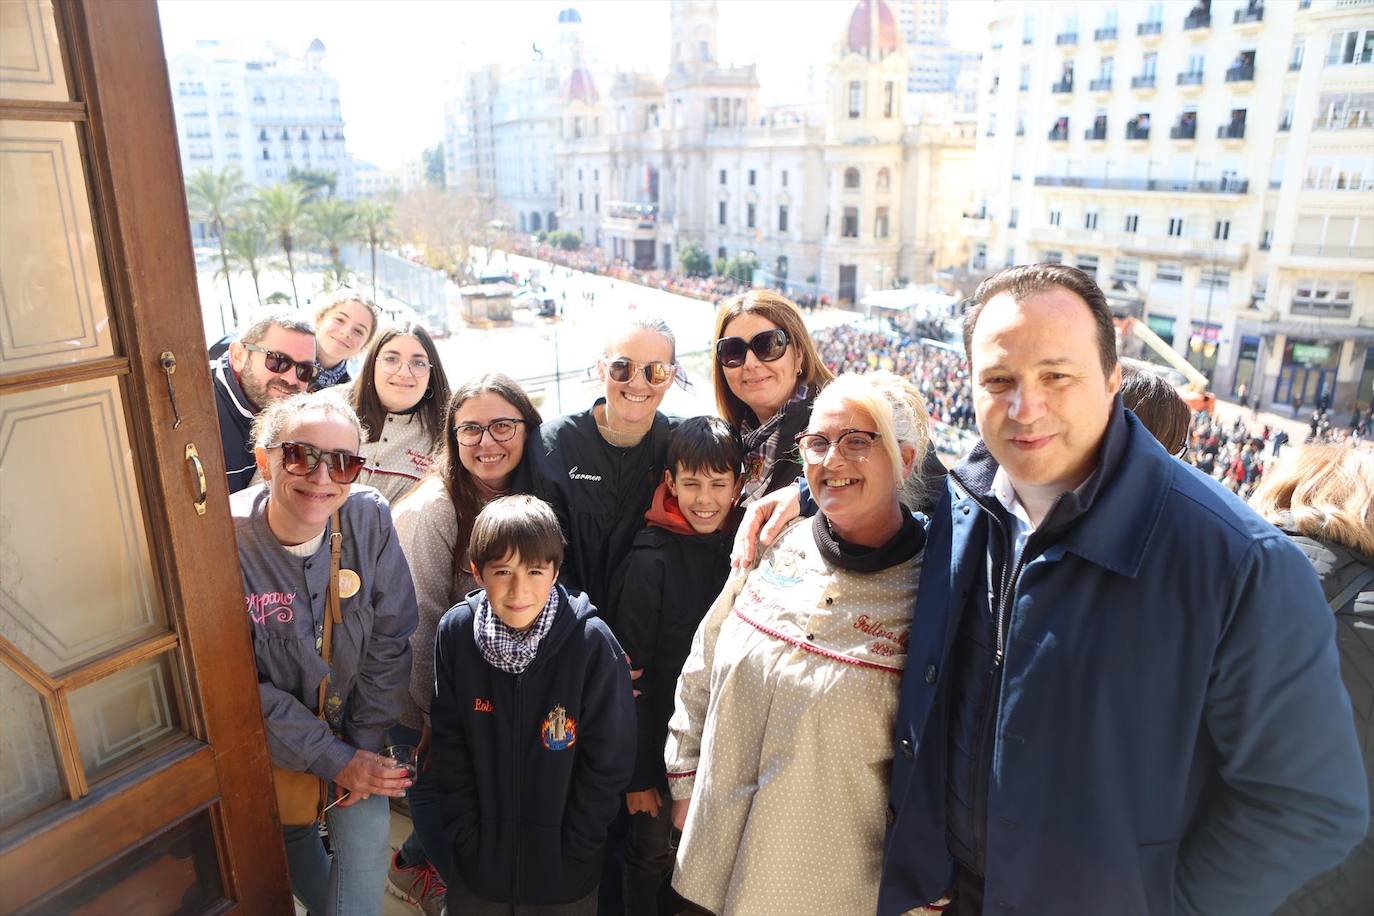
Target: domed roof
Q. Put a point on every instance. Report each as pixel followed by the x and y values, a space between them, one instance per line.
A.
pixel 581 88
pixel 861 36
pixel 315 45
pixel 569 15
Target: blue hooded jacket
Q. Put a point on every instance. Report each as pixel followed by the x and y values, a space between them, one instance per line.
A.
pixel 1171 732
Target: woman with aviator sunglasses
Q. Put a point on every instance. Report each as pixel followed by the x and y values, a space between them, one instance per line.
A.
pixel 767 374
pixel 400 396
pixel 307 452
pixel 490 428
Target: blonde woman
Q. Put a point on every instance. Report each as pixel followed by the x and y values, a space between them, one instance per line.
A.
pixel 344 324
pixel 1323 497
pixel 780 746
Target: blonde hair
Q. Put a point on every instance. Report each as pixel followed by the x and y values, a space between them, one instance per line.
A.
pixel 779 311
pixel 280 417
pixel 1327 491
pixel 899 412
pixel 344 296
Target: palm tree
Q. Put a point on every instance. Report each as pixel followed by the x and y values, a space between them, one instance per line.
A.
pixel 213 196
pixel 336 223
pixel 281 208
pixel 248 246
pixel 374 223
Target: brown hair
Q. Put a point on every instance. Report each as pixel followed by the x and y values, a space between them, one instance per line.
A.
pixel 1327 490
pixel 1032 279
pixel 462 490
pixel 370 408
pixel 521 525
pixel 1156 403
pixel 783 313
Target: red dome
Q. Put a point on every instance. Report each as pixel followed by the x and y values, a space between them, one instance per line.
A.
pixel 861 28
pixel 581 88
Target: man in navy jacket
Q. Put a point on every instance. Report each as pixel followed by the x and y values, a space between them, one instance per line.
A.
pixel 1122 691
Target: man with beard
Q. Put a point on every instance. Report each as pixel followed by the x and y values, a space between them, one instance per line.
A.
pixel 275 358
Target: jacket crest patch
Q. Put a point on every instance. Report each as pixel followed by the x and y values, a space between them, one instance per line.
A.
pixel 559 730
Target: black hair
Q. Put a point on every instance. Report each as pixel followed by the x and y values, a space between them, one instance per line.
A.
pixel 705 444
pixel 521 525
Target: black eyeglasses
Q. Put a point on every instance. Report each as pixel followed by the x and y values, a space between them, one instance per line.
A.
pixel 502 429
pixel 767 346
pixel 657 374
pixel 853 444
pixel 279 363
pixel 300 460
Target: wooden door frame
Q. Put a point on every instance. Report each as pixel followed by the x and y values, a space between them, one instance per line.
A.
pixel 117 67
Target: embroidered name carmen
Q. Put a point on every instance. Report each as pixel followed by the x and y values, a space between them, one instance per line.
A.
pixel 573 475
pixel 269 604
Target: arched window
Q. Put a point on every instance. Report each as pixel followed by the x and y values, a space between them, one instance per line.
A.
pixel 884 179
pixel 535 222
pixel 851 178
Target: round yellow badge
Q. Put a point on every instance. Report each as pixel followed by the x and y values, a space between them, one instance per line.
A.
pixel 349 583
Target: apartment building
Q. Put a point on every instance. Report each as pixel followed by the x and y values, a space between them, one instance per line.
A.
pixel 1211 163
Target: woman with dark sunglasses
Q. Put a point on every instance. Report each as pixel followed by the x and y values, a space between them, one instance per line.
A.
pixel 599 468
pixel 767 374
pixel 400 396
pixel 307 451
pixel 489 428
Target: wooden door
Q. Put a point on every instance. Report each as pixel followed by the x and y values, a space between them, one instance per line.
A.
pixel 134 774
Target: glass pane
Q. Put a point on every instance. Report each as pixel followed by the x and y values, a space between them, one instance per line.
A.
pixel 50 283
pixel 28 764
pixel 75 575
pixel 121 716
pixel 30 60
pixel 174 873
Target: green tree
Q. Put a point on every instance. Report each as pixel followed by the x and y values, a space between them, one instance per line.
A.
pixel 313 182
pixel 741 268
pixel 375 228
pixel 433 159
pixel 213 197
pixel 565 239
pixel 334 222
pixel 695 261
pixel 281 208
pixel 249 248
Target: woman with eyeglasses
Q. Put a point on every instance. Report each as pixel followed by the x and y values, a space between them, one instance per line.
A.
pixel 400 396
pixel 780 744
pixel 599 468
pixel 489 427
pixel 307 451
pixel 767 374
pixel 344 325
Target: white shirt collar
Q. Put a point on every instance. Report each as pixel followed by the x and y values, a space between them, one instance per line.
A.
pixel 1006 495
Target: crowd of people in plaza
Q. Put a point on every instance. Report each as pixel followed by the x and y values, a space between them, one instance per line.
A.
pixel 780 659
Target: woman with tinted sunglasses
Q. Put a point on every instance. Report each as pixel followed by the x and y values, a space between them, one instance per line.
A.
pixel 599 468
pixel 489 430
pixel 307 451
pixel 400 396
pixel 767 374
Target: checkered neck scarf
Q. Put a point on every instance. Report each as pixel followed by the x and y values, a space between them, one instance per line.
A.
pixel 761 448
pixel 507 648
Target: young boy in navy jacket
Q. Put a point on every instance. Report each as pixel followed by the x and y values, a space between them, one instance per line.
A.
pixel 675 569
pixel 533 725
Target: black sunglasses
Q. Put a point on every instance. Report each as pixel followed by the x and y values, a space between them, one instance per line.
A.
pixel 767 346
pixel 300 460
pixel 279 363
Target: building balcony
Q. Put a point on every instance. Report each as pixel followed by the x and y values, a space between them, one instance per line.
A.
pixel 1138 244
pixel 1059 136
pixel 1249 17
pixel 1197 21
pixel 1097 132
pixel 1190 78
pixel 1062 86
pixel 1137 131
pixel 1231 131
pixel 1161 185
pixel 629 219
pixel 975 226
pixel 1144 82
pixel 1183 131
pixel 1066 38
pixel 1150 29
pixel 1107 34
pixel 1102 84
pixel 1241 74
pixel 1364 252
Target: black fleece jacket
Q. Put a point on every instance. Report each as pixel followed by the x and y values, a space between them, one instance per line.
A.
pixel 531 767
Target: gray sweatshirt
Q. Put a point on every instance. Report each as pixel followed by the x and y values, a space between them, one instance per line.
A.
pixel 284 597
